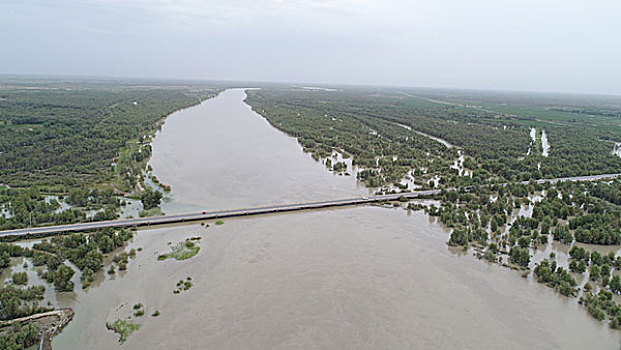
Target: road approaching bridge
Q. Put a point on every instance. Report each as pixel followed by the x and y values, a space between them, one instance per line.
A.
pixel 207 215
pixel 577 178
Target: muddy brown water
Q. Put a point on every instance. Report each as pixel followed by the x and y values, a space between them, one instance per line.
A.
pixel 223 155
pixel 346 278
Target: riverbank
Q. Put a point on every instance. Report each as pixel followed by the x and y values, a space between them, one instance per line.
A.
pixel 48 323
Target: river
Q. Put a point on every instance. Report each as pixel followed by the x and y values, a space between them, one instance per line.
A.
pixel 358 278
pixel 237 160
pixel 545 145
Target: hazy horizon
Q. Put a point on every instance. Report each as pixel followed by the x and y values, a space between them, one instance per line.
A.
pixel 553 46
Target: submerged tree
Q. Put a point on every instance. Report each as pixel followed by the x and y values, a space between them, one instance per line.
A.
pixel 150 198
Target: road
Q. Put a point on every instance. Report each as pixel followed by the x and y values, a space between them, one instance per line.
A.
pixel 209 215
pixel 578 178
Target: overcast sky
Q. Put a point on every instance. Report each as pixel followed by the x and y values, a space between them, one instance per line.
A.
pixel 547 45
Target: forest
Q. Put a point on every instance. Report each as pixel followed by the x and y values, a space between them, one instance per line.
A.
pixel 71 136
pixel 498 143
pixel 83 142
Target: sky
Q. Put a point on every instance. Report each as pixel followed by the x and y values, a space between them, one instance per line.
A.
pixel 531 45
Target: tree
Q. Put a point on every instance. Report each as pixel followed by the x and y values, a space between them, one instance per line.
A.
pixel 78 197
pixel 562 234
pixel 87 277
pixel 106 244
pixel 578 253
pixel 53 262
pixel 20 278
pixel 595 272
pixel 5 260
pixel 524 242
pixel 150 198
pixel 605 270
pixel 615 284
pixel 458 237
pixel 520 256
pixel 20 337
pixel 62 278
pixel 93 260
pixel 544 271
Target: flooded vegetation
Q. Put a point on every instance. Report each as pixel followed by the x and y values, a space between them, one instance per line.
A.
pixel 182 250
pixel 524 239
pixel 539 142
pixel 544 144
pixel 617 149
pixel 494 143
pixel 123 328
pixel 183 285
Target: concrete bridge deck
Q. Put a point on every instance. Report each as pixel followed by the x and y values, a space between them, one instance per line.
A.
pixel 207 215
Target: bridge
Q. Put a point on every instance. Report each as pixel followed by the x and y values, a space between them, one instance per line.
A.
pixel 210 215
pixel 207 215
